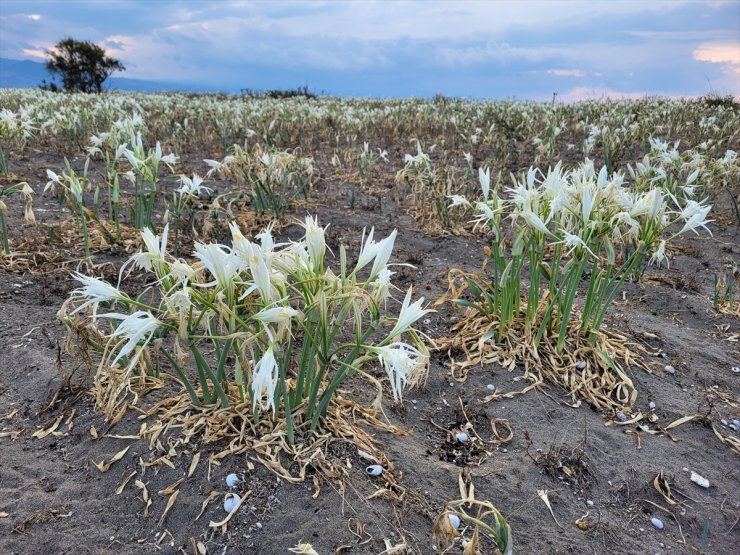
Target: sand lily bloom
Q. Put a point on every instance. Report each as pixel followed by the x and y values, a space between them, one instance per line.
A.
pixel 192 187
pixel 695 215
pixel 315 240
pixel 659 255
pixel 485 214
pixel 382 285
pixel 156 249
pixel 168 159
pixel 135 327
pixel 264 381
pixel 54 179
pixel 217 166
pixel 220 261
pixel 534 221
pixel 573 242
pixel 383 254
pixel 368 251
pixel 404 365
pixel 484 177
pixel 95 291
pixel 280 315
pixel 410 313
pixel 458 200
pixel 260 273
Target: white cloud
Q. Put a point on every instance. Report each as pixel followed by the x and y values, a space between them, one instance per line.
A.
pixel 727 55
pixel 718 53
pixel 566 72
pixel 35 53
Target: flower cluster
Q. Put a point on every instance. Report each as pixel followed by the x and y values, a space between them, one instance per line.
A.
pixel 253 301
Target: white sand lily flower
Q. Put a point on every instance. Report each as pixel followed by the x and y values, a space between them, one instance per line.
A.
pixel 135 327
pixel 95 291
pixel 458 200
pixel 217 166
pixel 267 243
pixel 404 364
pixel 280 315
pixel 410 313
pixel 315 240
pixel 182 272
pixel 534 221
pixel 220 261
pixel 27 194
pixel 588 199
pixel 573 242
pixel 659 255
pixel 382 285
pixel 264 381
pixel 698 218
pixel 485 214
pixel 54 179
pixel 169 159
pixel 260 273
pixel 156 249
pixel 484 177
pixel 368 251
pixel 192 187
pixel 383 254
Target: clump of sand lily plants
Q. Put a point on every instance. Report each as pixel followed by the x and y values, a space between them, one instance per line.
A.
pixel 562 229
pixel 264 331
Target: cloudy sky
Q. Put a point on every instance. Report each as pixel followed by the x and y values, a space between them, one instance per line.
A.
pixel 524 49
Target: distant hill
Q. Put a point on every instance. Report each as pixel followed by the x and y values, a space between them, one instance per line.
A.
pixel 26 73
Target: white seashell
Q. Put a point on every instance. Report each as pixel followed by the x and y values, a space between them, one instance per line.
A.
pixel 657 523
pixel 490 387
pixel 652 405
pixel 232 480
pixel 581 365
pixel 454 521
pixel 374 470
pixel 462 437
pixel 670 369
pixel 699 480
pixel 230 502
